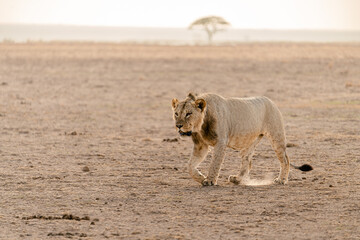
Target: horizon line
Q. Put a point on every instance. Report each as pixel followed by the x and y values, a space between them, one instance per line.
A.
pixel 162 27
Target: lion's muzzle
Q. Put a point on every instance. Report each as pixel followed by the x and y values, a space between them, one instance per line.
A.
pixel 185 133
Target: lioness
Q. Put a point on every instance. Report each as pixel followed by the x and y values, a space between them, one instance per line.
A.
pixel 238 123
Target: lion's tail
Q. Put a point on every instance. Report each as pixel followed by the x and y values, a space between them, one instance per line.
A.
pixel 304 168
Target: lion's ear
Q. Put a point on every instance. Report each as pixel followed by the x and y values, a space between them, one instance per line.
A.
pixel 200 103
pixel 191 96
pixel 174 103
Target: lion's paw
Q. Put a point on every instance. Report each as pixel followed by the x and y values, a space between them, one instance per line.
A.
pixel 280 181
pixel 234 179
pixel 208 182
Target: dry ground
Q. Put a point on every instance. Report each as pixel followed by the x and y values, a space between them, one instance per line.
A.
pixel 82 151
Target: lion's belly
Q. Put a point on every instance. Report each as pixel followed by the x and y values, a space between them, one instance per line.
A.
pixel 247 122
pixel 242 141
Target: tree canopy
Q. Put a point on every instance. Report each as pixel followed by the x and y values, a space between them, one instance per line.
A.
pixel 211 25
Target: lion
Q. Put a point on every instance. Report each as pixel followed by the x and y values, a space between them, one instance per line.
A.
pixel 237 123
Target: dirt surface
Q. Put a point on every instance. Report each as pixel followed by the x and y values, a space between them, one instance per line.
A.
pixel 88 146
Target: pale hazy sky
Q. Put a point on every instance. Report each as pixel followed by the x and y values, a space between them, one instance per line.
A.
pixel 263 14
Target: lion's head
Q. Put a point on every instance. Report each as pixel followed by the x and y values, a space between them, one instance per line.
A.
pixel 188 114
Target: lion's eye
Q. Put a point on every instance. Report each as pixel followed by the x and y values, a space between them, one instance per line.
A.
pixel 188 114
pixel 176 114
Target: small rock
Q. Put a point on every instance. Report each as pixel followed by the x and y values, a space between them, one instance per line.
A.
pixel 86 169
pixel 170 140
pixel 289 145
pixel 68 216
pixel 73 133
pixel 315 179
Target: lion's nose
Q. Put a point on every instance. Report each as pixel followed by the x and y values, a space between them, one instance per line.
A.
pixel 179 126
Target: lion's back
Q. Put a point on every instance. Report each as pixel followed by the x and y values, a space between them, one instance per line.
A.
pixel 244 115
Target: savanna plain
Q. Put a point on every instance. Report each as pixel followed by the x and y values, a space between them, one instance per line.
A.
pixel 89 150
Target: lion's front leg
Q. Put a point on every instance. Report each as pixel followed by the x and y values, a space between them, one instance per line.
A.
pixel 219 154
pixel 198 155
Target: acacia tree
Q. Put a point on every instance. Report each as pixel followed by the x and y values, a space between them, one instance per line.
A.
pixel 211 25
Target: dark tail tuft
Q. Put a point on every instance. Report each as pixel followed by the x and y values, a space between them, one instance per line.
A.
pixel 305 168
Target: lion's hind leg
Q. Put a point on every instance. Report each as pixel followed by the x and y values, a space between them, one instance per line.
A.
pixel 284 168
pixel 246 156
pixel 278 144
